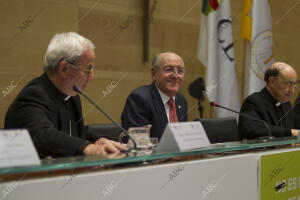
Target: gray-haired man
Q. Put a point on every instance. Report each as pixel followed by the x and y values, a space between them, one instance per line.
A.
pixel 49 107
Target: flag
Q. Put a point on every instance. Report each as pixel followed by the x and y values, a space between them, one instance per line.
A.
pixel 256 29
pixel 215 51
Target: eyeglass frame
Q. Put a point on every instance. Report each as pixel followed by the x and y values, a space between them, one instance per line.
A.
pixel 88 70
pixel 174 70
pixel 289 84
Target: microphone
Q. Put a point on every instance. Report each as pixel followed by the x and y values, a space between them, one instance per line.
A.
pixel 77 89
pixel 270 137
pixel 277 123
pixel 197 89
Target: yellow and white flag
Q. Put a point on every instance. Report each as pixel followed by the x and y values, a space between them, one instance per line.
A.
pixel 215 51
pixel 256 29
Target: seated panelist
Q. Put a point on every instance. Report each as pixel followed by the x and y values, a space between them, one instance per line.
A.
pixel 49 107
pixel 271 105
pixel 158 103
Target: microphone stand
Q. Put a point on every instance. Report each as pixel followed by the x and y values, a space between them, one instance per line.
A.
pixel 77 89
pixel 263 138
pixel 287 112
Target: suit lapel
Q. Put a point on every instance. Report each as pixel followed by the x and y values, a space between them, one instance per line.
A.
pixel 179 109
pixel 64 117
pixel 285 121
pixel 61 114
pixel 271 112
pixel 158 105
pixel 269 104
pixel 79 115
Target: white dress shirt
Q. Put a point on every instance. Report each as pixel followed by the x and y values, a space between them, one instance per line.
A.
pixel 165 98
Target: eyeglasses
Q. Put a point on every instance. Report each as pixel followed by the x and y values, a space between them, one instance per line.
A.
pixel 178 70
pixel 87 70
pixel 290 84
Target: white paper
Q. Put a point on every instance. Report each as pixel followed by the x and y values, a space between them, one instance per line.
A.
pixel 189 135
pixel 17 149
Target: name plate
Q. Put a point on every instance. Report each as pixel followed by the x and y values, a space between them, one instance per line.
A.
pixel 17 149
pixel 183 136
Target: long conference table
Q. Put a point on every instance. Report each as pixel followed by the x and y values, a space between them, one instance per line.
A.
pixel 246 170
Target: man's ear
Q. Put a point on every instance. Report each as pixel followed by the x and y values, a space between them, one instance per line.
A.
pixel 272 81
pixel 62 69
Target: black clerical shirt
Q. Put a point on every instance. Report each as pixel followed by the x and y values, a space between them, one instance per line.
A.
pixel 41 108
pixel 262 105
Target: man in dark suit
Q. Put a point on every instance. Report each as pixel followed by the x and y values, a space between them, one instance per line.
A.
pixel 297 105
pixel 49 107
pixel 158 103
pixel 271 105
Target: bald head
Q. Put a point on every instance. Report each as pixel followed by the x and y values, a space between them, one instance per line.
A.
pixel 164 57
pixel 281 81
pixel 168 72
pixel 277 68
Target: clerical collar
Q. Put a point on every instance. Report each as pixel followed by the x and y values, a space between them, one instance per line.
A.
pixel 61 96
pixel 165 98
pixel 277 104
pixel 67 98
pixel 271 98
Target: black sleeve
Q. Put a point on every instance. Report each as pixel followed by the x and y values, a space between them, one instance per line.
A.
pixel 297 112
pixel 34 111
pixel 93 136
pixel 251 129
pixel 297 121
pixel 136 112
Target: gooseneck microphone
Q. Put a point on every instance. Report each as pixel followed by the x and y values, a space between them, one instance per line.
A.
pixel 270 137
pixel 277 123
pixel 77 89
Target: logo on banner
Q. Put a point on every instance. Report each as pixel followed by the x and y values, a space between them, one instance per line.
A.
pixel 261 53
pixel 225 38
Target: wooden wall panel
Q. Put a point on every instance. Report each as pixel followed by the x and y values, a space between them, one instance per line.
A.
pixel 116 28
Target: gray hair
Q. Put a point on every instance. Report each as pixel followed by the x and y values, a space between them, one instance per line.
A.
pixel 65 46
pixel 156 62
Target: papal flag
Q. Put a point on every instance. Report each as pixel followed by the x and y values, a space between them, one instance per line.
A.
pixel 256 29
pixel 215 51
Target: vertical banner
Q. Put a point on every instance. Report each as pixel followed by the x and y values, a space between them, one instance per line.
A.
pixel 256 29
pixel 215 51
pixel 280 176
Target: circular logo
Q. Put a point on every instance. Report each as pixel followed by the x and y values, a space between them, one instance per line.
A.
pixel 261 53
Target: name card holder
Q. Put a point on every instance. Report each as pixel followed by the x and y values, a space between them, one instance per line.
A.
pixel 17 149
pixel 183 136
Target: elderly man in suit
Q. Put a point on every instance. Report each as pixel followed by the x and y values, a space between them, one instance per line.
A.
pixel 158 103
pixel 49 107
pixel 271 105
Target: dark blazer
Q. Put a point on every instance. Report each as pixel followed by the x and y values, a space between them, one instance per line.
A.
pixel 261 105
pixel 297 106
pixel 144 106
pixel 39 108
